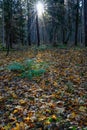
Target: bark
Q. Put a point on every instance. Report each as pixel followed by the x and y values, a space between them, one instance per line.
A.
pixel 7 42
pixel 28 24
pixel 3 20
pixel 38 34
pixel 10 27
pixel 85 20
pixel 77 23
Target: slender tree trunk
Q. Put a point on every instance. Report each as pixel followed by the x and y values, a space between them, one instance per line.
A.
pixel 67 38
pixel 85 20
pixel 77 23
pixel 3 24
pixel 8 22
pixel 55 36
pixel 63 36
pixel 28 24
pixel 38 34
pixel 8 42
pixel 21 29
pixel 11 32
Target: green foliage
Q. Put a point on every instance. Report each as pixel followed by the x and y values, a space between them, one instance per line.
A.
pixel 32 73
pixel 81 74
pixel 74 128
pixel 42 65
pixel 70 87
pixel 26 74
pixel 29 63
pixel 29 68
pixel 50 119
pixel 42 47
pixel 38 72
pixel 59 119
pixel 62 46
pixel 16 66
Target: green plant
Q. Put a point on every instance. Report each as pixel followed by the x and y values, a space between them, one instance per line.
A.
pixel 81 74
pixel 50 119
pixel 26 74
pixel 73 128
pixel 59 119
pixel 42 47
pixel 32 73
pixel 16 66
pixel 29 63
pixel 29 68
pixel 42 65
pixel 70 86
pixel 62 46
pixel 38 72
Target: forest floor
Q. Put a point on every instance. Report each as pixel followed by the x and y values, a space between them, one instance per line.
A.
pixel 55 100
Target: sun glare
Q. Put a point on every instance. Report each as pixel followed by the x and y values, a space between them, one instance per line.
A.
pixel 40 8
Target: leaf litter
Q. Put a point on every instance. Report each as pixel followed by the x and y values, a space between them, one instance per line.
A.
pixel 56 100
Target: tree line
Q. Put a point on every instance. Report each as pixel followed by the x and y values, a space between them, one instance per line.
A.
pixel 63 22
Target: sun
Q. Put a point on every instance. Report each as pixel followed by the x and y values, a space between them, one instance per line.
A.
pixel 40 8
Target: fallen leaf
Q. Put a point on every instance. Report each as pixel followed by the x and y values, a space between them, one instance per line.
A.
pixel 82 109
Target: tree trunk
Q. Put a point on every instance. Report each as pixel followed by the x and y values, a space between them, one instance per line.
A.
pixel 10 27
pixel 8 24
pixel 3 22
pixel 77 23
pixel 28 24
pixel 8 42
pixel 38 34
pixel 63 31
pixel 85 20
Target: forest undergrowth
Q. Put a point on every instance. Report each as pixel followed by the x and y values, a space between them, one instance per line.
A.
pixel 43 90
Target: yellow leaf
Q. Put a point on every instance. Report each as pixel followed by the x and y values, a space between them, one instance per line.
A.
pixel 42 118
pixel 19 126
pixel 54 117
pixel 82 109
pixel 72 115
pixel 1 98
pixel 6 127
pixel 14 95
pixel 47 122
pixel 27 119
pixel 22 126
pixel 22 102
pixel 55 84
pixel 19 108
pixel 30 113
pixel 15 111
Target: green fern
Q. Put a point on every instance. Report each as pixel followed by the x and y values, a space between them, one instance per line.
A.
pixel 29 63
pixel 26 74
pixel 29 68
pixel 32 73
pixel 38 72
pixel 16 66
